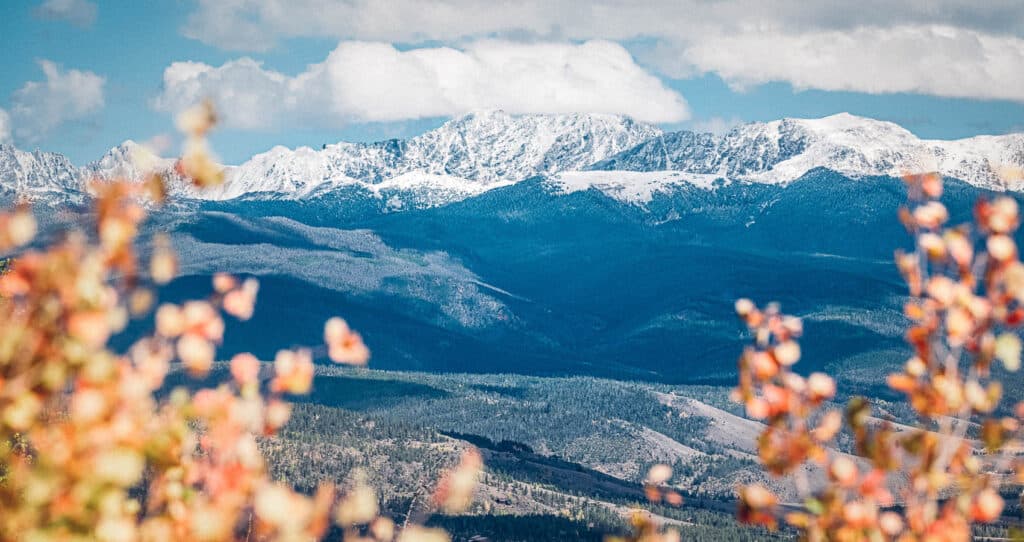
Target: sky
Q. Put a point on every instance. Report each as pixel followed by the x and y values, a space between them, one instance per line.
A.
pixel 81 76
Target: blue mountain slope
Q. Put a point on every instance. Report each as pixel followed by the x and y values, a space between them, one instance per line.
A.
pixel 524 279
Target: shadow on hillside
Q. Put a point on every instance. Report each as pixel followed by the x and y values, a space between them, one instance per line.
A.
pixel 353 393
pixel 350 393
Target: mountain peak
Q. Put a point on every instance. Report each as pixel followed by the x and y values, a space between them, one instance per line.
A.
pixel 838 120
pixel 847 123
pixel 124 149
pixel 129 160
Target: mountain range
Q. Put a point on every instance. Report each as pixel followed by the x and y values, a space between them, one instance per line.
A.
pixel 487 150
pixel 566 244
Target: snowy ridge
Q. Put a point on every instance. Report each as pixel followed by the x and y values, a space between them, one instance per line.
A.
pixel 636 187
pixel 482 149
pixel 418 189
pixel 859 147
pixel 782 151
pixel 37 174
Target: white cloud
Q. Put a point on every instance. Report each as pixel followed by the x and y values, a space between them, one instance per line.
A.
pixel 715 125
pixel 5 127
pixel 875 46
pixel 39 107
pixel 935 60
pixel 78 12
pixel 368 81
pixel 247 96
pixel 258 24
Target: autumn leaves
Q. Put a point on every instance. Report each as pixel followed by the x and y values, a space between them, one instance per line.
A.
pixel 965 306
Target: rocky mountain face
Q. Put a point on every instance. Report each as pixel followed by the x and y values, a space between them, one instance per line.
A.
pixel 37 174
pixel 482 151
pixel 782 151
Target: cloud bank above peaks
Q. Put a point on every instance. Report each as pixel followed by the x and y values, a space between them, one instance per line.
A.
pixel 81 13
pixel 949 48
pixel 376 82
pixel 932 60
pixel 40 107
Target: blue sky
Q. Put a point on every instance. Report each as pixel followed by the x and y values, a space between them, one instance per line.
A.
pixel 80 77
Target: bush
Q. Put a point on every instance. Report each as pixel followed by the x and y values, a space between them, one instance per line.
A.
pixel 930 482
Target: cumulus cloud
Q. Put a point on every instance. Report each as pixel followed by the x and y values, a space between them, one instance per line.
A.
pixel 5 127
pixel 39 107
pixel 875 46
pixel 935 60
pixel 370 81
pixel 77 12
pixel 258 24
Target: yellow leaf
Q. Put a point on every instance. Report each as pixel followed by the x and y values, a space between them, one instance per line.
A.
pixel 1008 347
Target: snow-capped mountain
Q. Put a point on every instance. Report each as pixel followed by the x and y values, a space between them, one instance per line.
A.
pixel 482 151
pixel 782 151
pixel 36 174
pixel 475 151
pixel 127 160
